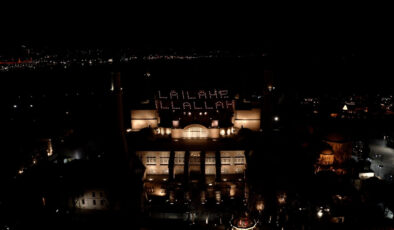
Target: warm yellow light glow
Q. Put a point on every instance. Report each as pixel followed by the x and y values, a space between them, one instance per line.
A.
pixel 366 175
pixel 282 198
pixel 137 124
pixel 326 158
pixel 233 189
pixel 49 148
pixel 320 213
pixel 344 108
pixel 195 131
pixel 222 132
pixel 175 123
pixel 218 197
pixel 203 197
pixel 215 123
pixel 260 206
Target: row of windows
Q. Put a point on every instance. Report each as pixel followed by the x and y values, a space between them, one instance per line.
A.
pixel 164 160
pixel 226 160
pixel 210 160
pixel 102 202
pixel 151 160
pixel 195 160
pixel 239 160
pixel 179 160
pixel 94 194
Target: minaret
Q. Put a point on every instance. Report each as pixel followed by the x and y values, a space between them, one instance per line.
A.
pixel 117 91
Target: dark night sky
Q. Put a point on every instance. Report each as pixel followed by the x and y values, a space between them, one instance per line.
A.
pixel 310 44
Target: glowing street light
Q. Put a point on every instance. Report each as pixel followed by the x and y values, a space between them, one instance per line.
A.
pixel 320 213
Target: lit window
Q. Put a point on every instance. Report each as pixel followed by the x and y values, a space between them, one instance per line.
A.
pixel 210 160
pixel 164 160
pixel 239 160
pixel 226 160
pixel 179 160
pixel 150 160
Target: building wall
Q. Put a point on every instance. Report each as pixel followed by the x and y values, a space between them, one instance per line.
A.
pixel 179 163
pixel 144 118
pixel 342 151
pixel 210 163
pixel 92 199
pixel 247 119
pixel 185 133
pixel 233 162
pixel 156 162
pixel 194 162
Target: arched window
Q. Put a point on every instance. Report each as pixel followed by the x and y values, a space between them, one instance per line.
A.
pixel 195 131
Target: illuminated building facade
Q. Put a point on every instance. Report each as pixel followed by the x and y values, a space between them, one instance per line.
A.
pixel 194 155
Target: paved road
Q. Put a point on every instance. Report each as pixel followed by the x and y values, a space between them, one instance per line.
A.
pixel 382 159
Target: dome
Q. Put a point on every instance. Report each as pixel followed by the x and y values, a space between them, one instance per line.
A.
pixel 327 152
